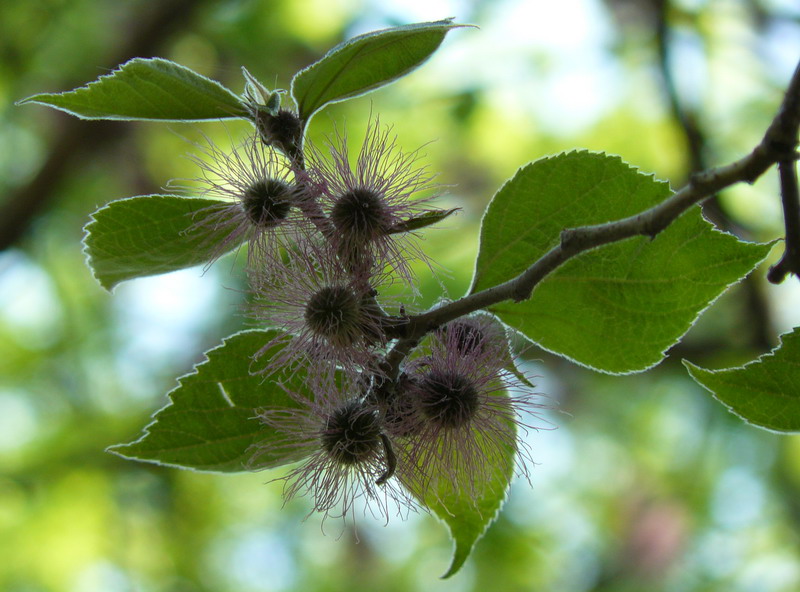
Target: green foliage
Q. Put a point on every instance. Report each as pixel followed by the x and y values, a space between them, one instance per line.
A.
pixel 149 89
pixel 365 63
pixel 763 392
pixel 210 422
pixel 468 508
pixel 616 308
pixel 152 234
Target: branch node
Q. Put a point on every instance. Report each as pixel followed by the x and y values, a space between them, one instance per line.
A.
pixel 651 228
pixel 778 272
pixel 570 237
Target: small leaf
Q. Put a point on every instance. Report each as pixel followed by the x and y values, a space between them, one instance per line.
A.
pixel 258 95
pixel 421 221
pixel 152 234
pixel 617 308
pixel 365 63
pixel 467 508
pixel 148 89
pixel 763 392
pixel 210 424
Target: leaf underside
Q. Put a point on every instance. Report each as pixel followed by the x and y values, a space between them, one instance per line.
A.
pixel 468 507
pixel 366 62
pixel 210 424
pixel 147 89
pixel 765 392
pixel 616 308
pixel 153 234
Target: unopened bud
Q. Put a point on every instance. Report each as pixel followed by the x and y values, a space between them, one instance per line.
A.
pixel 352 434
pixel 284 130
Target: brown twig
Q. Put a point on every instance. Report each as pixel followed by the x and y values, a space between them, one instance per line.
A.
pixel 759 323
pixel 782 134
pixel 790 261
pixel 779 141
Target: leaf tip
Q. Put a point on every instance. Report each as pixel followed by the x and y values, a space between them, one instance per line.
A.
pixel 453 25
pixel 696 373
pixel 30 99
pixel 689 365
pixel 455 567
pixel 118 450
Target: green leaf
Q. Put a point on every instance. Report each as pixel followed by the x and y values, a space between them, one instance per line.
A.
pixel 149 89
pixel 152 234
pixel 765 392
pixel 209 424
pixel 365 63
pixel 467 507
pixel 617 308
pixel 423 220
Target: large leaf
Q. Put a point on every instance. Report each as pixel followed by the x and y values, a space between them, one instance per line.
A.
pixel 620 307
pixel 153 234
pixel 765 392
pixel 150 89
pixel 467 507
pixel 209 424
pixel 365 63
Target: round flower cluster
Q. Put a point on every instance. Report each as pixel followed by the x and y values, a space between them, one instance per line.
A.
pixel 326 234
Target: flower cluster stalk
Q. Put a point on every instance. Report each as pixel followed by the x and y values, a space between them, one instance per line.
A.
pixel 328 230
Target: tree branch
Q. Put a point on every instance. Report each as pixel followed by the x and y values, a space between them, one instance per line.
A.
pixel 777 146
pixel 759 322
pixel 790 261
pixel 783 137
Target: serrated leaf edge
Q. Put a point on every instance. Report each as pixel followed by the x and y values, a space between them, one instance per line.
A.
pixel 37 97
pixel 448 22
pixel 87 256
pixel 663 353
pixel 456 567
pixel 691 324
pixel 690 367
pixel 146 430
pixel 546 158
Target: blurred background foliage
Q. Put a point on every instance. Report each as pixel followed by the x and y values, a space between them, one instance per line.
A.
pixel 646 484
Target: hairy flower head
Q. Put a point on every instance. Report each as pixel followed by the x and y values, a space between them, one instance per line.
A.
pixel 476 335
pixel 346 456
pixel 463 410
pixel 329 319
pixel 259 199
pixel 367 200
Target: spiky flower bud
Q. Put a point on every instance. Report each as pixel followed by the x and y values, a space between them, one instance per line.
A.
pixel 466 410
pixel 361 214
pixel 267 202
pixel 365 202
pixel 346 454
pixel 328 318
pixel 334 312
pixel 258 196
pixel 352 434
pixel 284 130
pixel 447 399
